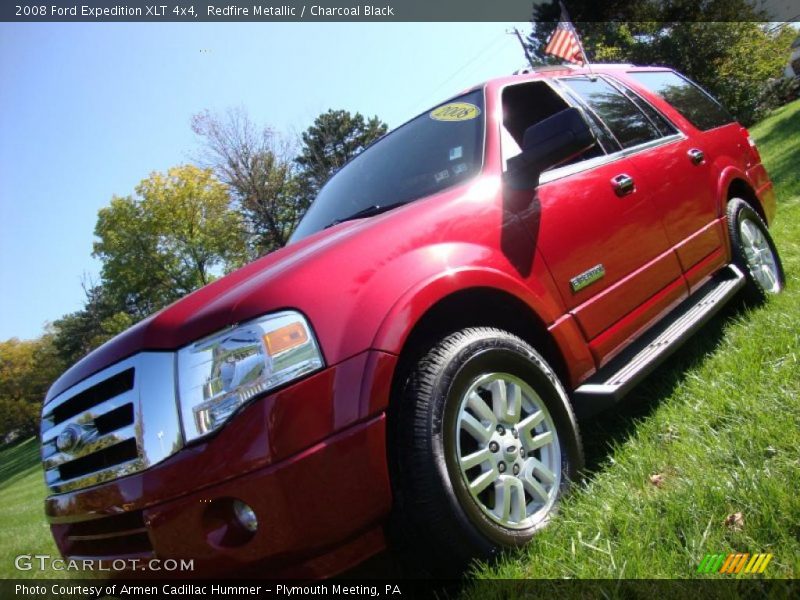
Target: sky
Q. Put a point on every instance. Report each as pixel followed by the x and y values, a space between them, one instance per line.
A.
pixel 87 110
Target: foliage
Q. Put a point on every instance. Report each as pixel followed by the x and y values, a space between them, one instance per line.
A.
pixel 176 235
pixel 271 187
pixel 78 333
pixel 754 58
pixel 27 368
pixel 257 166
pixel 334 138
pixel 733 59
pixel 777 92
pixel 18 418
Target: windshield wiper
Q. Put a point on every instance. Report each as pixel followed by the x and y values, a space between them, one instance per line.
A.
pixel 369 211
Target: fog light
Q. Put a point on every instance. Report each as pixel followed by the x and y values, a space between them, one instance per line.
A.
pixel 245 515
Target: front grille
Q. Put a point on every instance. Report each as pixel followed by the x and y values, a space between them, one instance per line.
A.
pixel 118 422
pixel 90 437
pixel 110 388
pixel 102 459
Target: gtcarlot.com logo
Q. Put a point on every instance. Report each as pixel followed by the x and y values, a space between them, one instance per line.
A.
pixel 45 562
pixel 734 563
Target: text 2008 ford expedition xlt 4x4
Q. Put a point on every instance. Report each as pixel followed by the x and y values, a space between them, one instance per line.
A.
pixel 412 361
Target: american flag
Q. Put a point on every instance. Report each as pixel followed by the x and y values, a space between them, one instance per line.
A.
pixel 564 42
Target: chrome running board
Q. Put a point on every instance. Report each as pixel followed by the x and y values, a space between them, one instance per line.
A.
pixel 637 361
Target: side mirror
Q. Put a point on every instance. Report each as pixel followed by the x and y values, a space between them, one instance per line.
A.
pixel 548 143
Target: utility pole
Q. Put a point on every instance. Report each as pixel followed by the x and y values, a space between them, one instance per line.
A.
pixel 524 47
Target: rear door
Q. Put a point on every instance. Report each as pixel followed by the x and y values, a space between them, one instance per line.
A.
pixel 680 178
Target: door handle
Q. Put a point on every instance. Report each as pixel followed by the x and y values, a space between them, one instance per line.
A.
pixel 696 156
pixel 622 184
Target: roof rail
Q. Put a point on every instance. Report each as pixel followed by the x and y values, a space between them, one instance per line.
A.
pixel 543 69
pixel 546 68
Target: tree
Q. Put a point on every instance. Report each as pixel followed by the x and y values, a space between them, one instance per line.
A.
pixel 175 236
pixel 78 333
pixel 27 369
pixel 257 166
pixel 334 138
pixel 717 43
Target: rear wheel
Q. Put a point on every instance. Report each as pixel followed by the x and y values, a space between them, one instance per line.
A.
pixel 485 444
pixel 754 251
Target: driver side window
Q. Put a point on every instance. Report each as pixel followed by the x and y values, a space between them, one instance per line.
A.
pixel 528 103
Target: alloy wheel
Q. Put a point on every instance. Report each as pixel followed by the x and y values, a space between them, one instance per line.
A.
pixel 759 256
pixel 507 450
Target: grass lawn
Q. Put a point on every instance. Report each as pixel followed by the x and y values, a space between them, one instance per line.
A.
pixel 22 523
pixel 718 425
pixel 715 432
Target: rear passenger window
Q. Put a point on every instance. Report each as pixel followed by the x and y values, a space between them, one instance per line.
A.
pixel 656 118
pixel 625 120
pixel 689 99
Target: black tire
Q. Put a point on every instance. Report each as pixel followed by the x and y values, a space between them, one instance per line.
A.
pixel 741 214
pixel 436 521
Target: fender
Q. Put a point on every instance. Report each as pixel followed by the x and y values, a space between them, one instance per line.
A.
pixel 435 286
pixel 726 176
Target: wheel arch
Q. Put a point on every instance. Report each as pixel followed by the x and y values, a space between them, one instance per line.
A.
pixel 478 306
pixel 739 188
pixel 733 183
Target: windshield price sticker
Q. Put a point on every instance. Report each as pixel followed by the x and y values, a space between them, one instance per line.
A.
pixel 455 111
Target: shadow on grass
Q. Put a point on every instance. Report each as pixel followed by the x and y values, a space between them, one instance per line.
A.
pixel 612 427
pixel 18 459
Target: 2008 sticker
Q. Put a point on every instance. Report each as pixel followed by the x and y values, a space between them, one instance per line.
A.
pixel 455 111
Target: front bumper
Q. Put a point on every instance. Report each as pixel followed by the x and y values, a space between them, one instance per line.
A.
pixel 309 459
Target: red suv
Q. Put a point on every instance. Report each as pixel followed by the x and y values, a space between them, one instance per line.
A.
pixel 409 367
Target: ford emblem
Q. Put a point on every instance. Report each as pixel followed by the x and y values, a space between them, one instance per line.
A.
pixel 68 439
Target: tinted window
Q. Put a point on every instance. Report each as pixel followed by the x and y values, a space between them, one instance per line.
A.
pixel 437 150
pixel 527 104
pixel 628 124
pixel 656 118
pixel 688 98
pixel 601 132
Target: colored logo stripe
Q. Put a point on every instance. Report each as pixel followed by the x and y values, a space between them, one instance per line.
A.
pixel 711 563
pixel 737 562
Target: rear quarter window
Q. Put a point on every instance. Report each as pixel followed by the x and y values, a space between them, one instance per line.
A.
pixel 688 98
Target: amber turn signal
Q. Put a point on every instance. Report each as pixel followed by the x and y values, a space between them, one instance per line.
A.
pixel 287 337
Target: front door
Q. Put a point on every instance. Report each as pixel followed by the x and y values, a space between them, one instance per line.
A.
pixel 607 251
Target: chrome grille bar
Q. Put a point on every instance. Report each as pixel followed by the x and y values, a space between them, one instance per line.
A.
pixel 119 421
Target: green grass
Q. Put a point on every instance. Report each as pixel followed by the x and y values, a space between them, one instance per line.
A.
pixel 22 522
pixel 720 422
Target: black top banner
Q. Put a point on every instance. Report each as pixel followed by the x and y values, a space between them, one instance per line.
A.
pixel 391 10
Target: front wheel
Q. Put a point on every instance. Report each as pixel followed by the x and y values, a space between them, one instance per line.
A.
pixel 485 445
pixel 754 251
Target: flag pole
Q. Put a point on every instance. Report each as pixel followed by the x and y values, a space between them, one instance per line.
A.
pixel 565 14
pixel 524 48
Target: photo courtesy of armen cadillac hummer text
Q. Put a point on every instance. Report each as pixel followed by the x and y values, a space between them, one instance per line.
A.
pixel 407 371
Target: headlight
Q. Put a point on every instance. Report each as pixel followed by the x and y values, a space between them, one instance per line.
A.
pixel 222 372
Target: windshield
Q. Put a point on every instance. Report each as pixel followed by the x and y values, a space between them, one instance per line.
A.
pixel 440 148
